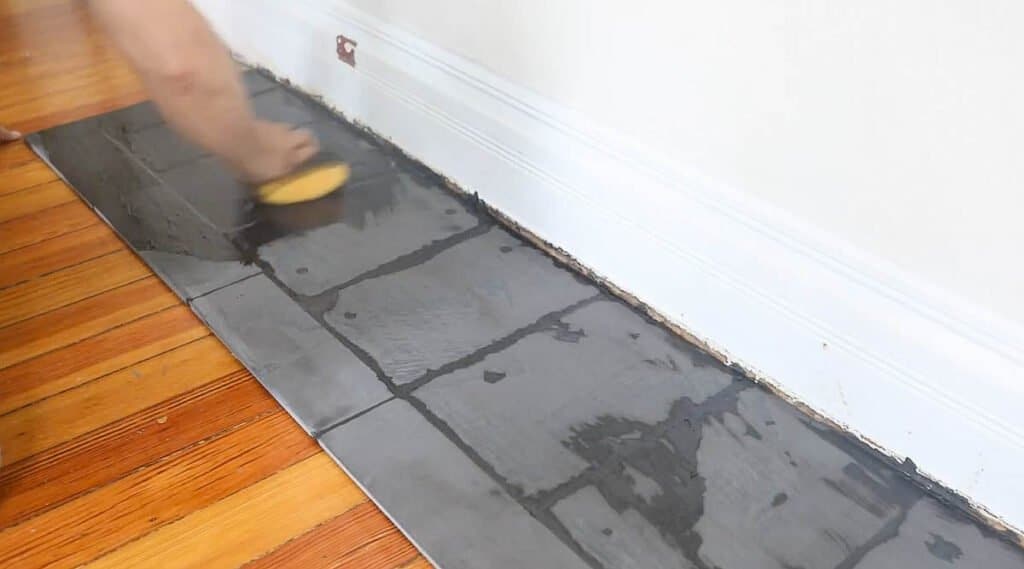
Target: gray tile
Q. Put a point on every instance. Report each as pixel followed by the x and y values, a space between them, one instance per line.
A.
pixel 212 190
pixel 519 408
pixel 620 540
pixel 316 378
pixel 130 119
pixel 281 105
pixel 145 115
pixel 160 148
pixel 779 492
pixel 461 300
pixel 190 275
pixel 934 536
pixel 225 203
pixel 452 510
pixel 352 146
pixel 378 222
pixel 191 255
pixel 256 82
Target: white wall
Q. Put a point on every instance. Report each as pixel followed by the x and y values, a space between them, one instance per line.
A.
pixel 822 192
pixel 897 126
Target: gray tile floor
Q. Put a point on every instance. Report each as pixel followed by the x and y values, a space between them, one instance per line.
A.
pixel 504 411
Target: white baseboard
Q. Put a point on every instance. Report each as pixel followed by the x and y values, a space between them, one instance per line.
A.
pixel 918 373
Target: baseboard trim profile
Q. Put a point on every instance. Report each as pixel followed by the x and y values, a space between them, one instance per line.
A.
pixel 914 372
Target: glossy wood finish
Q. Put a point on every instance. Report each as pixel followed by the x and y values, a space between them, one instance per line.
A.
pixel 130 436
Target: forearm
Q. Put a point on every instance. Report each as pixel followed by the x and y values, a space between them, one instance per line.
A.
pixel 187 70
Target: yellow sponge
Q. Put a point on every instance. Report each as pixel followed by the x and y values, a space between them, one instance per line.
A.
pixel 307 184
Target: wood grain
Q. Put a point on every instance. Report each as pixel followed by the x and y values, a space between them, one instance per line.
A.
pixel 47 224
pixel 64 326
pixel 14 156
pixel 41 482
pixel 130 437
pixel 70 285
pixel 27 175
pixel 37 198
pixel 36 428
pixel 55 254
pixel 59 370
pixel 361 537
pixel 247 524
pixel 156 495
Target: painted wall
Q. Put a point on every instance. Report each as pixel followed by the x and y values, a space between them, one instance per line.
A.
pixel 896 126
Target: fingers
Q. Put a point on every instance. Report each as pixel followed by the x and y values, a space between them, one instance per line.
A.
pixel 7 135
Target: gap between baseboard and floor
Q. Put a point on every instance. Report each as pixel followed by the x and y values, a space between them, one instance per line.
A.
pixel 908 369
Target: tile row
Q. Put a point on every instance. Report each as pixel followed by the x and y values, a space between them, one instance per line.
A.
pixel 503 411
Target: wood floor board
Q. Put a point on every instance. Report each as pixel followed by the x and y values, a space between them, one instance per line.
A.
pixel 112 350
pixel 30 200
pixel 130 436
pixel 248 524
pixel 31 430
pixel 27 175
pixel 337 544
pixel 70 285
pixel 67 325
pixel 52 255
pixel 162 493
pixel 48 479
pixel 14 156
pixel 47 224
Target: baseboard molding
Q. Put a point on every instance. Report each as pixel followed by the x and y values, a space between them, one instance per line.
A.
pixel 917 373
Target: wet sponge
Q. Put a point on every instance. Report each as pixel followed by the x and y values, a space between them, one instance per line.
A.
pixel 310 182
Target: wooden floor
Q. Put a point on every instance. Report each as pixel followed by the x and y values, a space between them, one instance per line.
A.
pixel 130 436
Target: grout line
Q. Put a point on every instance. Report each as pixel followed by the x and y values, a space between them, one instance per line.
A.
pixel 408 260
pixel 319 434
pixel 190 300
pixel 512 490
pixel 544 322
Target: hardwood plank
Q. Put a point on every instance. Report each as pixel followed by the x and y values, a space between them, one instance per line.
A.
pixel 84 319
pixel 38 119
pixel 69 285
pixel 30 174
pixel 246 524
pixel 418 563
pixel 109 90
pixel 46 480
pixel 32 200
pixel 52 255
pixel 68 71
pixel 46 224
pixel 110 351
pixel 77 424
pixel 361 537
pixel 15 154
pixel 143 501
pixel 47 423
